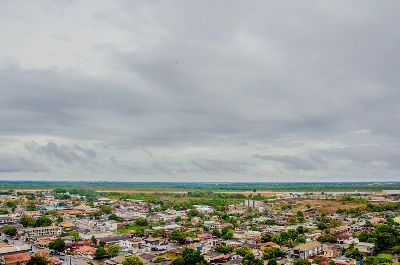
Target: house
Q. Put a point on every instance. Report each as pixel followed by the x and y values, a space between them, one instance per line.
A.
pixel 204 209
pixel 212 224
pixel 15 259
pixel 97 235
pixel 114 238
pixel 43 242
pixel 308 249
pixel 146 257
pixel 329 251
pixel 86 251
pixel 55 260
pixel 115 260
pixel 366 248
pixel 14 255
pixel 377 220
pixel 340 230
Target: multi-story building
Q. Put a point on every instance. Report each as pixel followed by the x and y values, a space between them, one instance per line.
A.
pixel 7 220
pixel 42 231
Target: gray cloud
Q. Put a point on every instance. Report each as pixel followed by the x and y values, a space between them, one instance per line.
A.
pixel 157 90
pixel 294 162
pixel 64 153
pixel 12 164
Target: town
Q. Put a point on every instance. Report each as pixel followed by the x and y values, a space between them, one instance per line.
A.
pixel 80 226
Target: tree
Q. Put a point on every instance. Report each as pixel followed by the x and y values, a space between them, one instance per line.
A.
pixel 223 249
pixel 300 229
pixel 101 252
pixel 352 252
pixel 178 236
pixel 384 240
pixel 249 259
pixel 27 220
pixel 190 257
pixel 227 232
pixel 132 260
pixel 301 262
pixel 378 260
pixel 42 221
pixel 94 240
pixel 106 209
pixel 38 260
pixel 273 252
pixel 10 230
pixel 57 245
pixel 266 238
pixel 322 226
pixel 113 250
pixel 193 213
pixel 11 204
pixel 31 206
pixel 115 217
pixel 396 250
pixel 272 262
pixel 327 238
pixel 243 251
pixel 141 222
pixel 216 233
pixel 30 196
pixel 158 233
pixel 102 243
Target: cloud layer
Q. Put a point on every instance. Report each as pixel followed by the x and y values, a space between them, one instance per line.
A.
pixel 199 91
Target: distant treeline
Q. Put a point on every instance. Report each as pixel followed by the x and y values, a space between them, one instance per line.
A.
pixel 226 186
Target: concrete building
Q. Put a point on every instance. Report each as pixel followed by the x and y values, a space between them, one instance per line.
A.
pixel 308 250
pixel 366 248
pixel 42 231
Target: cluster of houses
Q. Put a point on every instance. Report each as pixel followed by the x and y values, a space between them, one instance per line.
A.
pixel 84 228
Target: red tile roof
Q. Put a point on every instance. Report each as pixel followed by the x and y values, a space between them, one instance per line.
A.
pixel 14 258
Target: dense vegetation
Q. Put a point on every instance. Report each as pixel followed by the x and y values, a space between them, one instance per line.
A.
pixel 276 186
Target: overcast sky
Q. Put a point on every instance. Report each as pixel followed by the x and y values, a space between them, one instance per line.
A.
pixel 200 90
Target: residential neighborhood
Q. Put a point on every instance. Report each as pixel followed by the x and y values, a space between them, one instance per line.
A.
pixel 289 228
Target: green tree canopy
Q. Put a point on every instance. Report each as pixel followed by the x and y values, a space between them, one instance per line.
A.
pixel 132 260
pixel 272 262
pixel 190 257
pixel 27 220
pixel 38 260
pixel 101 252
pixel 57 245
pixel 178 236
pixel 301 262
pixel 113 250
pixel 270 253
pixel 10 230
pixel 42 221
